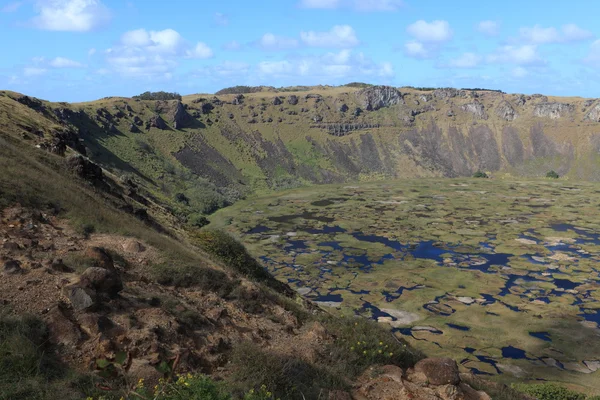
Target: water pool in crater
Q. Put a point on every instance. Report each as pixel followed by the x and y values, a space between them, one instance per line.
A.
pixel 499 274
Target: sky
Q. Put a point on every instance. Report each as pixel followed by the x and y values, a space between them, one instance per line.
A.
pixel 80 50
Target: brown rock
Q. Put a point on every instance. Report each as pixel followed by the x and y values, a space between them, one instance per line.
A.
pixel 100 257
pixel 61 329
pixel 12 267
pixel 439 371
pixel 133 246
pixel 102 281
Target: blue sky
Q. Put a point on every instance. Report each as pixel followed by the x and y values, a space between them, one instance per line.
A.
pixel 77 50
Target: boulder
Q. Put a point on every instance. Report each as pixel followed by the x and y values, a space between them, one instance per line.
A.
pixel 133 246
pixel 60 328
pixel 276 101
pixel 12 267
pixel 475 108
pixel 100 258
pixel 133 128
pixel 179 116
pixel 81 298
pixel 138 121
pixel 376 97
pixel 207 108
pixel 506 111
pixel 344 108
pixel 439 371
pixel 157 122
pixel 102 281
pixel 85 169
pixel 292 100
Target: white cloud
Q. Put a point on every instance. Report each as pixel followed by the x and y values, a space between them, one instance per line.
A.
pixel 322 4
pixel 416 49
pixel 466 60
pixel 520 55
pixel 574 33
pixel 488 28
pixel 11 7
pixel 147 54
pixel 593 57
pixel 377 5
pixel 33 71
pixel 221 19
pixel 61 62
pixel 357 5
pixel 330 66
pixel 70 15
pixel 201 51
pixel 540 35
pixel 232 46
pixel 519 72
pixel 340 36
pixel 434 31
pixel 270 41
pixel 91 52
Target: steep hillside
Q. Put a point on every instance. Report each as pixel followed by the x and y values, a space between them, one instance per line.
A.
pixel 205 152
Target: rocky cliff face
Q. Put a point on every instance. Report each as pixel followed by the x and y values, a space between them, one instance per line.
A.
pixel 270 139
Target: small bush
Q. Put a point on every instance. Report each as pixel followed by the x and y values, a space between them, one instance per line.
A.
pixel 228 250
pixel 361 342
pixel 480 174
pixel 197 220
pixel 158 96
pixel 191 275
pixel 552 174
pixel 549 391
pixel 287 377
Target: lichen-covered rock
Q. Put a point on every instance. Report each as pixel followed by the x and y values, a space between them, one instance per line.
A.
pixel 476 108
pixel 425 97
pixel 553 110
pixel 506 111
pixel 376 97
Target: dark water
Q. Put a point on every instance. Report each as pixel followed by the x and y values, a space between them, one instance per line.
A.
pixel 545 336
pixel 459 327
pixel 514 353
pixel 258 229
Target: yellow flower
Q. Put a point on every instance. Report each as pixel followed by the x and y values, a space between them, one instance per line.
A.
pixel 380 351
pixel 381 343
pixel 365 352
pixel 187 384
pixel 391 354
pixel 352 348
pixel 358 343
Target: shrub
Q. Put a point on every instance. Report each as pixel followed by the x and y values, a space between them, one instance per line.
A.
pixel 361 342
pixel 552 174
pixel 240 90
pixel 549 391
pixel 287 377
pixel 158 96
pixel 192 275
pixel 231 252
pixel 480 174
pixel 197 220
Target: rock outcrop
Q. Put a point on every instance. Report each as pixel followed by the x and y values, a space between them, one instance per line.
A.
pixel 85 169
pixel 179 116
pixel 506 111
pixel 445 93
pixel 431 379
pixel 376 97
pixel 593 114
pixel 292 100
pixel 553 110
pixel 156 122
pixel 475 108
